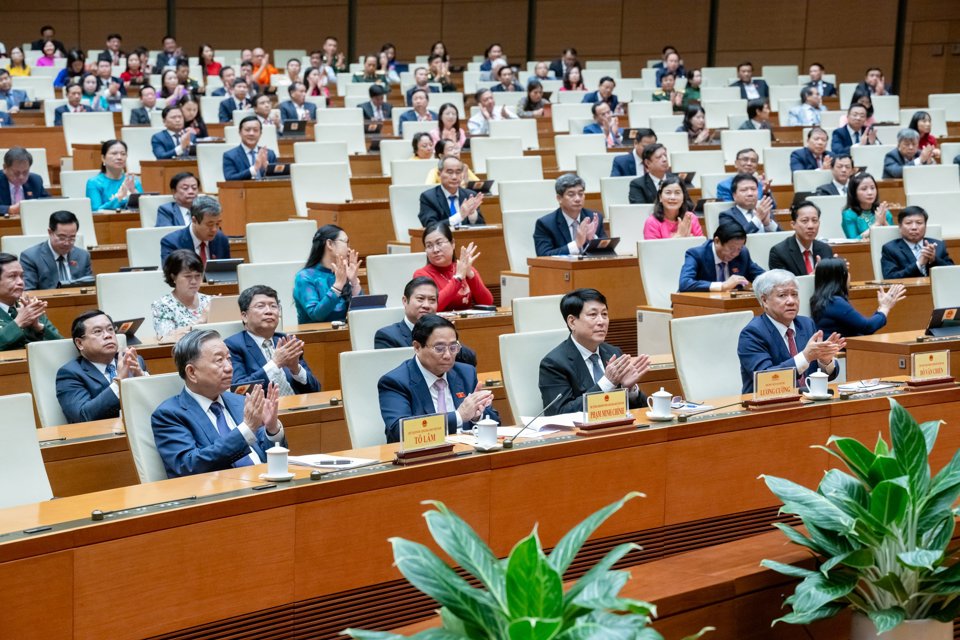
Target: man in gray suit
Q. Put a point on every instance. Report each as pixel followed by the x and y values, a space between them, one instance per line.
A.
pixel 148 102
pixel 56 262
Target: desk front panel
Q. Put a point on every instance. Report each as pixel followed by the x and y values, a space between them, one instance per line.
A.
pixel 618 278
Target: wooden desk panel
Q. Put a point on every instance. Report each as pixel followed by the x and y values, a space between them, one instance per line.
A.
pixel 889 354
pixel 618 278
pixel 155 174
pixel 366 222
pixel 49 138
pixel 246 201
pixel 86 157
pixel 489 242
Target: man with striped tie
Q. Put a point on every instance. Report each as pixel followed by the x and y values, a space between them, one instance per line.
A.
pixel 205 427
pixel 88 387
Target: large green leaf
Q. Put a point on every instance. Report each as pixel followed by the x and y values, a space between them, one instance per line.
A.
pixel 856 456
pixel 462 543
pixel 798 538
pixel 534 587
pixel 566 550
pixel 938 535
pixel 859 559
pixel 882 448
pixel 889 500
pixel 809 505
pixel 807 617
pixel 817 590
pixel 597 570
pixel 892 584
pixel 930 431
pixel 534 628
pixel 601 593
pixel 886 619
pixel 920 558
pixel 885 468
pixel 834 543
pixel 909 447
pixel 434 577
pixel 843 485
pixel 787 569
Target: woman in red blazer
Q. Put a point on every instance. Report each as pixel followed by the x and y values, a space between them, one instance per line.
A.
pixel 459 283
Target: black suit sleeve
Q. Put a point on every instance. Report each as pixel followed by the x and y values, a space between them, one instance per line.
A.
pixel 556 377
pixel 79 405
pixel 778 259
pixel 428 209
pixel 383 340
pixel 897 264
pixel 637 195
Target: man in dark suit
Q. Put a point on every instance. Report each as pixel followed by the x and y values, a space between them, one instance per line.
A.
pixel 826 89
pixel 376 109
pixel 22 318
pixel 421 79
pixel 419 299
pixel 248 160
pixel 17 183
pixel 202 236
pixel 185 188
pixel 261 354
pixel 12 97
pixel 174 141
pixel 88 387
pixel 750 89
pixel 420 112
pixel 58 261
pixel 433 382
pixel 74 94
pixel 297 107
pixel 205 427
pixel 105 75
pixel 855 133
pixel 873 83
pixel 237 102
pixel 656 164
pixel 569 59
pixel 753 214
pixel 228 76
pixel 5 120
pixel 842 169
pixel 584 362
pixel 913 254
pixel 814 155
pixel 906 154
pixel 168 55
pixel 605 124
pixel 604 94
pixel 48 33
pixel 448 201
pixel 800 254
pixel 148 102
pixel 631 164
pixel 781 339
pixel 721 264
pixel 566 230
pixel 746 161
pixel 758 116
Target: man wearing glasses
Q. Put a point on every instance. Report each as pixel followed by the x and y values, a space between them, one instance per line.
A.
pixel 58 261
pixel 433 382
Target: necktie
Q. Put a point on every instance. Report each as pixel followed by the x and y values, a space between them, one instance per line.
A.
pixel 820 162
pixel 217 409
pixel 573 230
pixel 791 343
pixel 856 137
pixel 62 270
pixel 111 372
pixel 596 367
pixel 203 253
pixel 721 271
pixel 12 312
pixel 17 193
pixel 177 139
pixel 843 190
pixel 808 260
pixel 441 386
pixel 281 378
pixel 453 205
pixel 253 160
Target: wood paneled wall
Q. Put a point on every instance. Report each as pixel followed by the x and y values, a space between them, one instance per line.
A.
pixel 847 37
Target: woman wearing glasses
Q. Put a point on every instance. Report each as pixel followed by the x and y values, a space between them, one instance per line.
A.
pixel 458 282
pixel 322 288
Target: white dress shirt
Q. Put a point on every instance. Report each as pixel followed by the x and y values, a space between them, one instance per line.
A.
pixel 271 368
pixel 572 223
pixel 800 361
pixel 243 428
pixel 604 384
pixel 431 379
pixel 752 216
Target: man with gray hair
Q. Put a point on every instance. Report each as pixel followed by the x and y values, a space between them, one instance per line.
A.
pixel 479 123
pixel 202 235
pixel 906 155
pixel 17 183
pixel 570 227
pixel 449 201
pixel 770 340
pixel 206 427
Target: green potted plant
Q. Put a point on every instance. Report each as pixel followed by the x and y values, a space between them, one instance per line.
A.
pixel 523 597
pixel 880 535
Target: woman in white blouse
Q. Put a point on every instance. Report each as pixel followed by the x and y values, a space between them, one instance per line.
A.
pixel 175 313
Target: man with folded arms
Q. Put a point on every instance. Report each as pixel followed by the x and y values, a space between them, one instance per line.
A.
pixel 22 318
pixel 58 261
pixel 261 354
pixel 779 338
pixel 584 362
pixel 88 387
pixel 206 427
pixel 434 382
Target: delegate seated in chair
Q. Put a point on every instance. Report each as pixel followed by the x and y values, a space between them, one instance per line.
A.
pixel 448 201
pixel 913 253
pixel 22 318
pixel 566 230
pixel 17 183
pixel 202 235
pixel 88 387
pixel 57 261
pixel 248 160
pixel 720 264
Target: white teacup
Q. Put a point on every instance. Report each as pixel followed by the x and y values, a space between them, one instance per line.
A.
pixel 817 383
pixel 486 432
pixel 659 403
pixel 277 460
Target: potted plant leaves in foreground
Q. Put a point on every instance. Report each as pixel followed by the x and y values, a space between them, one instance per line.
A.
pixel 523 597
pixel 880 535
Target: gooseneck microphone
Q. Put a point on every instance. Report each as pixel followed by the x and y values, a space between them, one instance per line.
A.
pixel 508 444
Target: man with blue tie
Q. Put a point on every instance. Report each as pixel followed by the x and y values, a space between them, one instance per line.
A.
pixel 12 97
pixel 631 164
pixel 88 387
pixel 721 264
pixel 185 188
pixel 566 230
pixel 260 353
pixel 205 427
pixel 174 141
pixel 913 254
pixel 248 160
pixel 773 339
pixel 433 382
pixel 449 201
pixel 753 214
pixel 855 133
pixel 239 101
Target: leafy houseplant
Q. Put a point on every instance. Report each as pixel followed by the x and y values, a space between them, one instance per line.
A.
pixel 524 598
pixel 880 532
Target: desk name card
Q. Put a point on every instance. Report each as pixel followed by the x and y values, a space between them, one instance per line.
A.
pixel 930 366
pixel 421 432
pixel 601 406
pixel 774 383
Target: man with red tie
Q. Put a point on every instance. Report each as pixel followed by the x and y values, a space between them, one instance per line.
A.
pixel 800 254
pixel 202 235
pixel 17 183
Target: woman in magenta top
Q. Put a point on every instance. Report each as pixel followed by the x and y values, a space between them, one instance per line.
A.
pixel 459 283
pixel 448 126
pixel 671 217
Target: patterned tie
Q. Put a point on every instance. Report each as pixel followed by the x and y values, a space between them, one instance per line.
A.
pixel 17 194
pixel 217 409
pixel 916 250
pixel 62 270
pixel 595 367
pixel 253 161
pixel 453 205
pixel 203 253
pixel 281 378
pixel 808 260
pixel 721 271
pixel 441 385
pixel 791 343
pixel 111 372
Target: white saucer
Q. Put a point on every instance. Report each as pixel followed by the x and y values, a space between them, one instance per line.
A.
pixel 810 396
pixel 283 477
pixel 495 447
pixel 657 418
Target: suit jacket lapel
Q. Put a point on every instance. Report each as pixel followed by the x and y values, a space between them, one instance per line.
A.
pixel 773 336
pixel 205 429
pixel 561 223
pixel 578 365
pixel 405 332
pixel 441 196
pixel 93 373
pixel 254 350
pixel 796 256
pixel 49 261
pixel 422 401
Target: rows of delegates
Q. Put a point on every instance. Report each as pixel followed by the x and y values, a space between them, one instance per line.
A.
pixel 206 427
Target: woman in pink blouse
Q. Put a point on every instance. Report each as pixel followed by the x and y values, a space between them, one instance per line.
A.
pixel 672 217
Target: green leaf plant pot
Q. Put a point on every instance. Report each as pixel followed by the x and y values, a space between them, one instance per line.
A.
pixel 862 628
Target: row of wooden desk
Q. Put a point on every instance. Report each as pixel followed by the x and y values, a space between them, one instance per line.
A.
pixel 324 541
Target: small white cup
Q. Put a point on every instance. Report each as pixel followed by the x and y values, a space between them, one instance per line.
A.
pixel 277 460
pixel 486 432
pixel 817 383
pixel 659 403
